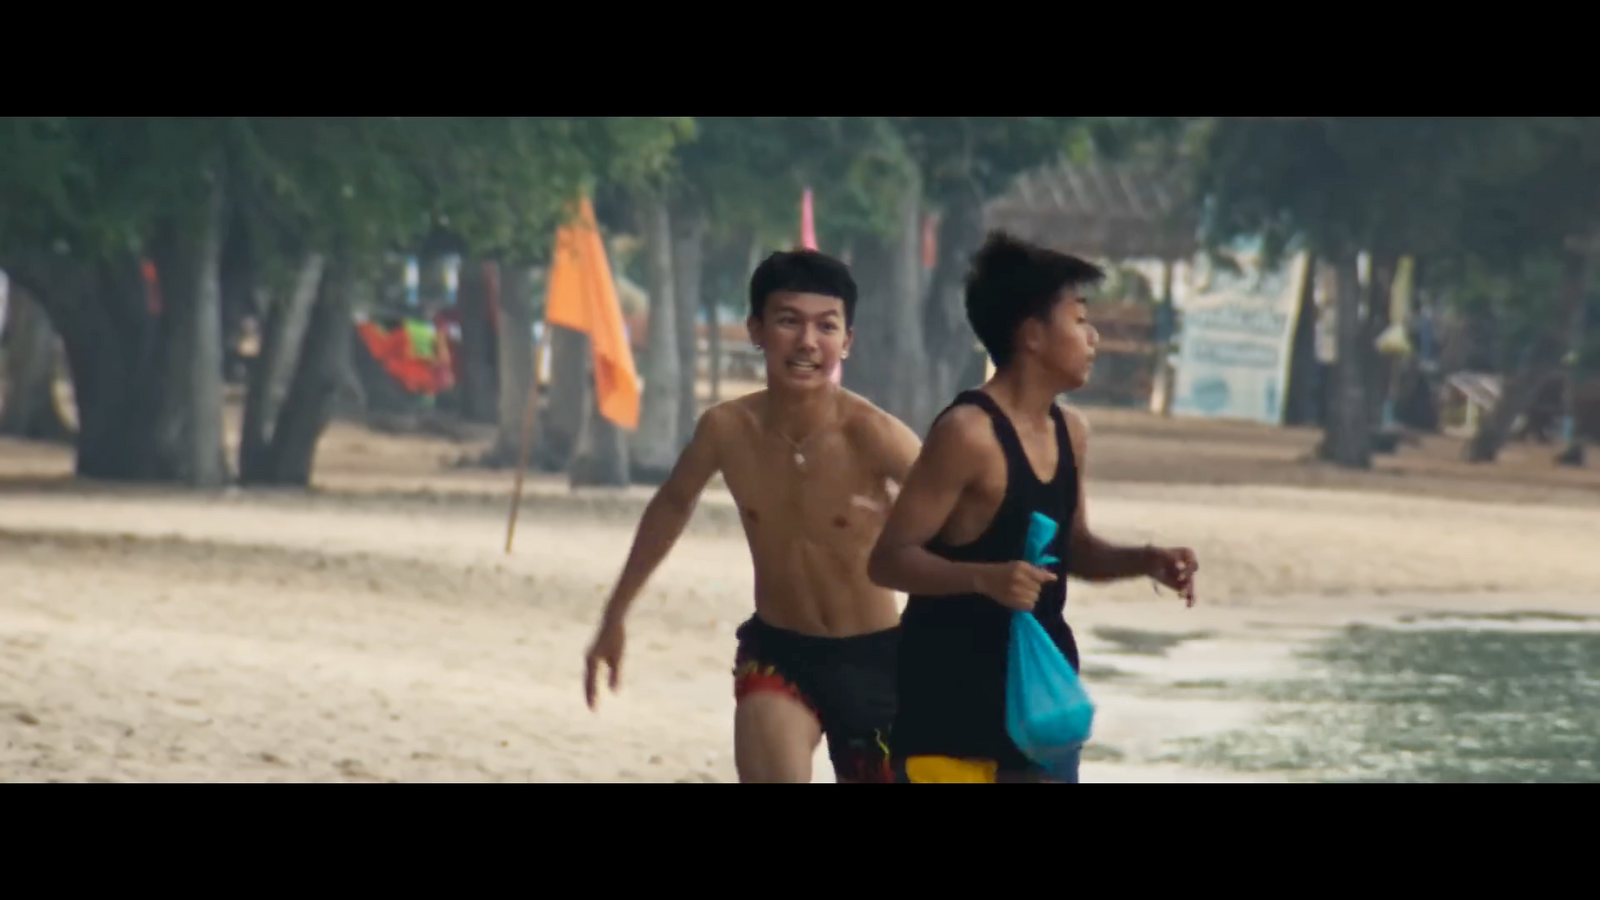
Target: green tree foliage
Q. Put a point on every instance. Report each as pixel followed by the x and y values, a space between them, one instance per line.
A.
pixel 1491 205
pixel 82 198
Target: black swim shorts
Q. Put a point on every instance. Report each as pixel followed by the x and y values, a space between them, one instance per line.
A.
pixel 847 683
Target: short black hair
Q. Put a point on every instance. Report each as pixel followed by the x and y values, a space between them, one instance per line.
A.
pixel 1011 281
pixel 802 272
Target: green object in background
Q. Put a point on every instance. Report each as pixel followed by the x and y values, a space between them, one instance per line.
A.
pixel 422 336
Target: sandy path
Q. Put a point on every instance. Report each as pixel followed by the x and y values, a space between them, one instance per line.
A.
pixel 158 639
pixel 150 637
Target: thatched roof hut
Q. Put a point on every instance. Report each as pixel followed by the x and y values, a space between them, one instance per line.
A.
pixel 1096 209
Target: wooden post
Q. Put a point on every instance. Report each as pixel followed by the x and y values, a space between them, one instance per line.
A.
pixel 1161 387
pixel 529 412
pixel 1572 451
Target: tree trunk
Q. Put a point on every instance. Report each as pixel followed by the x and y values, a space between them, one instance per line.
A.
pixel 517 377
pixel 114 360
pixel 949 345
pixel 480 379
pixel 308 407
pixel 869 371
pixel 717 359
pixel 600 458
pixel 908 357
pixel 112 344
pixel 688 272
pixel 188 428
pixel 1544 365
pixel 888 361
pixel 713 347
pixel 1347 440
pixel 1303 356
pixel 28 409
pixel 281 343
pixel 1161 368
pixel 1572 454
pixel 563 422
pixel 656 444
pixel 238 296
pixel 1379 368
pixel 352 401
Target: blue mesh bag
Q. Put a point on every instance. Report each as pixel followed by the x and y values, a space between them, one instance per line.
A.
pixel 1048 713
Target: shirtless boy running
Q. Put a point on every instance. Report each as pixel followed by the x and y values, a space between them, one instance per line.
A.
pixel 813 469
pixel 994 457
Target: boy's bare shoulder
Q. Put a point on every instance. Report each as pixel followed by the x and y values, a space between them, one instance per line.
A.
pixel 865 420
pixel 856 407
pixel 963 429
pixel 738 410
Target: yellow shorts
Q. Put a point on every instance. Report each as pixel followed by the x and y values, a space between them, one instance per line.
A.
pixel 951 770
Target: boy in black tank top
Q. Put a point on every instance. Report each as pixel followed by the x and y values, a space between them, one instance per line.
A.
pixel 955 539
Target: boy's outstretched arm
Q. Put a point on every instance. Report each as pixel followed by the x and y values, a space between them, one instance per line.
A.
pixel 1093 559
pixel 665 517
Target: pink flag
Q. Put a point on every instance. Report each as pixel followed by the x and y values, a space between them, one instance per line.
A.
pixel 808 240
pixel 808 222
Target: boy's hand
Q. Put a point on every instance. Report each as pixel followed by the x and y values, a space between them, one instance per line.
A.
pixel 607 649
pixel 1175 568
pixel 1014 585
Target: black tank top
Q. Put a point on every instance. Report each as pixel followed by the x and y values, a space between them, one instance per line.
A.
pixel 953 650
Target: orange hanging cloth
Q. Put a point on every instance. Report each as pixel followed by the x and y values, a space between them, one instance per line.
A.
pixel 583 297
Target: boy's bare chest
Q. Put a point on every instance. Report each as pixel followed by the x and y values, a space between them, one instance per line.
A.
pixel 824 492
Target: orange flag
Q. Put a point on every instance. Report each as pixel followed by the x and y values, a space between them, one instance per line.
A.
pixel 583 297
